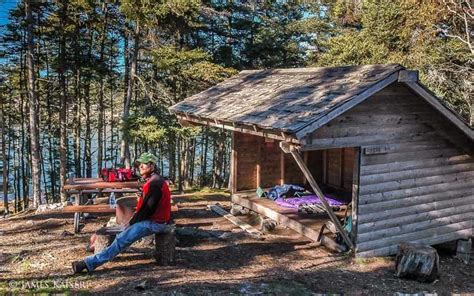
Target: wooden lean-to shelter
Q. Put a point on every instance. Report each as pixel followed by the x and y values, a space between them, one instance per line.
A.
pixel 372 133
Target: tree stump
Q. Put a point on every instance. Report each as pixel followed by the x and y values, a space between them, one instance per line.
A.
pixel 165 244
pixel 417 261
pixel 103 238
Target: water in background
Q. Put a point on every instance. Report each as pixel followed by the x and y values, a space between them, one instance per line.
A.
pixel 71 173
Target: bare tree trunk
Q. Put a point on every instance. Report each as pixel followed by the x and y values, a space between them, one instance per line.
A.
pixel 192 161
pixel 160 160
pixel 214 163
pixel 16 177
pixel 204 157
pixel 62 106
pixel 24 151
pixel 125 146
pixel 4 166
pixel 22 187
pixel 179 146
pixel 43 173
pixel 113 155
pixel 77 126
pixel 224 163
pixel 87 105
pixel 77 103
pixel 185 154
pixel 34 109
pixel 218 155
pixel 172 157
pixel 88 140
pixel 100 123
pixel 9 158
pixel 51 163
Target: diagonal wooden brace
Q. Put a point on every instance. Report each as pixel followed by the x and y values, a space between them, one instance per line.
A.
pixel 288 148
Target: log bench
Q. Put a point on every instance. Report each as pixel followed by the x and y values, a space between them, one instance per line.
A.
pixel 165 243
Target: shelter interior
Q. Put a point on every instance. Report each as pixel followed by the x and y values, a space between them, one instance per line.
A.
pixel 260 162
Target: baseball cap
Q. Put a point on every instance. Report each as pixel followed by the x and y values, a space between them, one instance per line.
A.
pixel 147 157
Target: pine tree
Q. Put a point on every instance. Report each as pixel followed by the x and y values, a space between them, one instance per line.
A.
pixel 33 108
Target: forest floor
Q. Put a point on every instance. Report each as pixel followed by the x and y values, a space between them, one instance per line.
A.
pixel 36 251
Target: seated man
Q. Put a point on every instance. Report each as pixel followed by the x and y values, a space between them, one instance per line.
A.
pixel 151 216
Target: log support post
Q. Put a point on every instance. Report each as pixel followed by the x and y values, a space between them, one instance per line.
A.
pixel 289 148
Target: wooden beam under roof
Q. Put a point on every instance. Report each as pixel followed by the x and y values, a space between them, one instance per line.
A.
pixel 232 126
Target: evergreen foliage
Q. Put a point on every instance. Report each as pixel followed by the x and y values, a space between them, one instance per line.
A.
pixel 383 31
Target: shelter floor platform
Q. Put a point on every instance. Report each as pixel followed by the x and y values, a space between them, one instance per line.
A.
pixel 308 225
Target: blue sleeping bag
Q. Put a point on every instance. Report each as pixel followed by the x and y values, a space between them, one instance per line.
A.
pixel 284 191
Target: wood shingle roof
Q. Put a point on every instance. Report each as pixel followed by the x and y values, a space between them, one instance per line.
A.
pixel 283 99
pixel 295 102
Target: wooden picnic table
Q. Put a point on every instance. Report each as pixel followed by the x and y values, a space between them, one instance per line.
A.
pixel 98 184
pixel 82 186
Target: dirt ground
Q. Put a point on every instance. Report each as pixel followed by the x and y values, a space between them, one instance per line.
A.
pixel 212 257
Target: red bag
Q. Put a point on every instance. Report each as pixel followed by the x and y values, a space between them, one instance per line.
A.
pixel 109 175
pixel 124 174
pixel 118 175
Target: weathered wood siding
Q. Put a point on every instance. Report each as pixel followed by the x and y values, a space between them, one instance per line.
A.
pixel 416 171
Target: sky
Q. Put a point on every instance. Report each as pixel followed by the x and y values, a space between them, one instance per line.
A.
pixel 5 7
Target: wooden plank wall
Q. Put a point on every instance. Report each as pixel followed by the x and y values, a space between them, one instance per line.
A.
pixel 315 165
pixel 259 164
pixel 348 156
pixel 293 173
pixel 246 169
pixel 270 163
pixel 416 171
pixel 339 167
pixel 334 167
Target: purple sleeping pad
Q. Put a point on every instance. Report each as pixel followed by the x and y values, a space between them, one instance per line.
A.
pixel 294 202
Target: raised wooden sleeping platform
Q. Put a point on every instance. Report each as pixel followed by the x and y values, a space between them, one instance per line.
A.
pixel 308 225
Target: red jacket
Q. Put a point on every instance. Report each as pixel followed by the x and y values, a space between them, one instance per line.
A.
pixel 155 201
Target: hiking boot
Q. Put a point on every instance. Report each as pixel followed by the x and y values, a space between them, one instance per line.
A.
pixel 79 266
